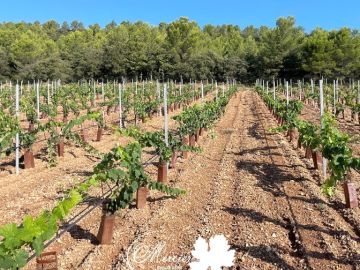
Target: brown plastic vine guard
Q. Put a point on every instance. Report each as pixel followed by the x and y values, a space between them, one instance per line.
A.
pixel 351 200
pixel 29 161
pixel 202 132
pixel 99 134
pixel 162 172
pixel 197 135
pixel 317 159
pixel 60 148
pixel 299 143
pixel 47 261
pixel 141 196
pixel 308 152
pixel 106 229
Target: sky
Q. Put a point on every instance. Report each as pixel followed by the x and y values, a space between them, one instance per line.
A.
pixel 328 14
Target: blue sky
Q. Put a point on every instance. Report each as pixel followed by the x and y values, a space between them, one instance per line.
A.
pixel 328 14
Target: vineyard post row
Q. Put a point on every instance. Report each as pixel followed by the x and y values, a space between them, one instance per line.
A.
pixel 340 96
pixel 55 85
pixel 324 162
pixel 335 94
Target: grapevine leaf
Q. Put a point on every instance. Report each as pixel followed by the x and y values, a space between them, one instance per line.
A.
pixel 38 245
pixel 11 234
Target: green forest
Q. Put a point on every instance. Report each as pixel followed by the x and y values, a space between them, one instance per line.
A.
pixel 180 49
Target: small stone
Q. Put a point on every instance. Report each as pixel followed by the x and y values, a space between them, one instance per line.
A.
pixel 274 235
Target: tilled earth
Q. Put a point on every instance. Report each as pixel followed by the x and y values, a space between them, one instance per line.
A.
pixel 248 184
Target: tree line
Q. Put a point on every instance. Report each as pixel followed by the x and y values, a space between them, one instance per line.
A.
pixel 176 50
